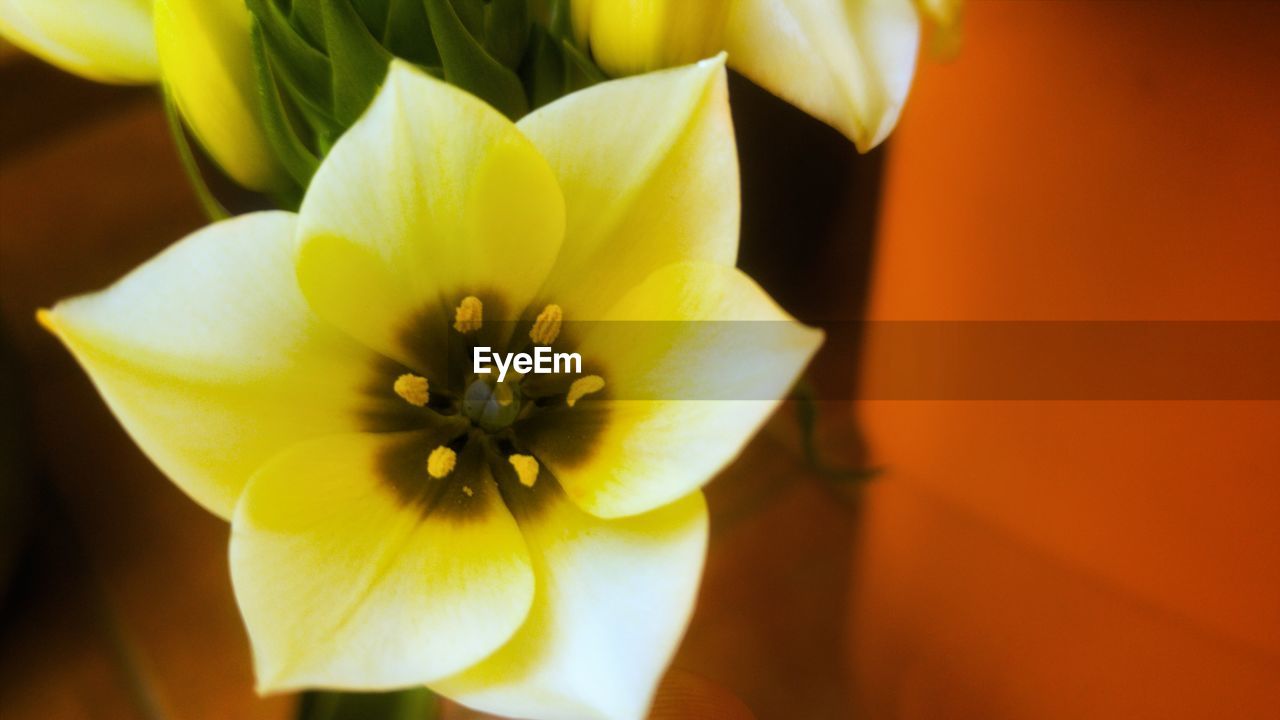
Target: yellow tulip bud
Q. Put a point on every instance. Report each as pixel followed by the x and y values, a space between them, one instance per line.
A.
pixel 103 40
pixel 634 36
pixel 206 62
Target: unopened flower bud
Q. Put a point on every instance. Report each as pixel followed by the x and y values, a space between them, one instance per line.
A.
pixel 634 36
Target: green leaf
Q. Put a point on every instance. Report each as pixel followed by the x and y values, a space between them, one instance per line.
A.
pixel 323 126
pixel 308 16
pixel 560 20
pixel 543 70
pixel 415 704
pixel 471 13
pixel 359 62
pixel 506 30
pixel 553 68
pixel 582 71
pixel 293 154
pixel 292 55
pixel 407 34
pixel 467 65
pixel 374 13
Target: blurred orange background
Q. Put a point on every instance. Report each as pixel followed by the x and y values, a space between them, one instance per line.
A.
pixel 1079 160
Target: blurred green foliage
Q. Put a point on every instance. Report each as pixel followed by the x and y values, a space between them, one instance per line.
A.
pixel 319 63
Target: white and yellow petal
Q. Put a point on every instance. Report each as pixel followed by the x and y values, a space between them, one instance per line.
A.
pixel 211 359
pixel 614 597
pixel 848 63
pixel 354 569
pixel 206 59
pixel 649 172
pixel 105 40
pixel 694 360
pixel 432 197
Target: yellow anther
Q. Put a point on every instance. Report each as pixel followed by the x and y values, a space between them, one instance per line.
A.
pixel 526 468
pixel 466 490
pixel 469 316
pixel 413 388
pixel 441 462
pixel 547 327
pixel 502 394
pixel 582 387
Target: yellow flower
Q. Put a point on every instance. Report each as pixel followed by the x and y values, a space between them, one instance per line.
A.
pixel 635 36
pixel 199 49
pixel 207 64
pixel 398 520
pixel 104 40
pixel 848 63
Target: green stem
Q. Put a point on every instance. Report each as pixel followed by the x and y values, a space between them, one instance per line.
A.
pixel 807 416
pixel 213 209
pixel 413 704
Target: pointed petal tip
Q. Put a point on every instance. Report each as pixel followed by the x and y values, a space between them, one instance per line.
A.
pixel 44 316
pixel 275 682
pixel 400 67
pixel 715 67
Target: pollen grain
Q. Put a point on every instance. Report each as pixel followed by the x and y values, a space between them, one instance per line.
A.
pixel 413 389
pixel 547 327
pixel 441 462
pixel 582 387
pixel 526 467
pixel 469 317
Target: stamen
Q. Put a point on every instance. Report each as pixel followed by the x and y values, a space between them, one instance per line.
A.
pixel 413 388
pixel 469 316
pixel 582 387
pixel 547 327
pixel 441 462
pixel 526 468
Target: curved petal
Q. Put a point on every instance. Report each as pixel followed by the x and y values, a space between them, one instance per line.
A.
pixel 848 63
pixel 211 359
pixel 694 359
pixel 105 40
pixel 207 63
pixel 432 196
pixel 354 569
pixel 650 176
pixel 614 599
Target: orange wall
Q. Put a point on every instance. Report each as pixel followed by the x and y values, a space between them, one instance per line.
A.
pixel 1080 160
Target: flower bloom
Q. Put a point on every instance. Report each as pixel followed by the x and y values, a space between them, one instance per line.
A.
pixel 104 40
pixel 527 548
pixel 848 63
pixel 199 49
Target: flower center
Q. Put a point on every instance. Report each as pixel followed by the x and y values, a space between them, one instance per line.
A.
pixel 473 420
pixel 492 405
